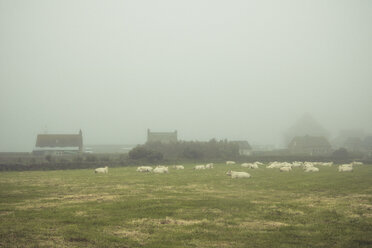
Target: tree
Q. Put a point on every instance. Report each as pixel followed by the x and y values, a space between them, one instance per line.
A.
pixel 141 153
pixel 192 153
pixel 49 158
pixel 341 153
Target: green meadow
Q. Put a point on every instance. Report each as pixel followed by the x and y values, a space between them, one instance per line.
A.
pixel 186 208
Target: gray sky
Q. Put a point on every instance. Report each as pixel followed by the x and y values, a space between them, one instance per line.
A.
pixel 210 69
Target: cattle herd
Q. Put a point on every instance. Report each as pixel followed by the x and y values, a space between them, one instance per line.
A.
pixel 282 166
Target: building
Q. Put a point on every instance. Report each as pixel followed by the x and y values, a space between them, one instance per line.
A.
pixel 349 139
pixel 163 137
pixel 59 144
pixel 310 145
pixel 244 147
pixel 102 149
pixel 354 144
pixel 367 144
pixel 306 125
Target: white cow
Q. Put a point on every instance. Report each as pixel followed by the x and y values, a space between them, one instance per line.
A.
pixel 230 162
pixel 179 167
pixel 254 166
pixel 144 169
pixel 308 165
pixel 101 170
pixel 249 165
pixel 278 165
pixel 285 169
pixel 274 165
pixel 161 170
pixel 199 167
pixel 238 174
pixel 209 166
pixel 161 166
pixel 297 164
pixel 356 163
pixel 311 169
pixel 345 168
pixel 329 164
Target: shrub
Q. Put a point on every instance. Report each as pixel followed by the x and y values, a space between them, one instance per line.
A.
pixel 341 153
pixel 142 153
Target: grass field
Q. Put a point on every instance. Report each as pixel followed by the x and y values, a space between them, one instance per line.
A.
pixel 125 208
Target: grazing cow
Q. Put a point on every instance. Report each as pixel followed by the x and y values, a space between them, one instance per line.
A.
pixel 199 167
pixel 178 167
pixel 285 169
pixel 209 166
pixel 238 174
pixel 101 170
pixel 144 169
pixel 345 168
pixel 161 170
pixel 311 169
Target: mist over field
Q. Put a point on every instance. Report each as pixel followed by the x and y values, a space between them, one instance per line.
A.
pixel 240 70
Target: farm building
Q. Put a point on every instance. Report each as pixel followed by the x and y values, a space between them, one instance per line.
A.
pixel 59 144
pixel 244 147
pixel 163 137
pixel 306 125
pixel 312 145
pixel 350 139
pixel 353 144
pixel 100 149
pixel 367 144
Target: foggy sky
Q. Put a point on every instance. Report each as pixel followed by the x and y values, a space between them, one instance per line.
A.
pixel 241 70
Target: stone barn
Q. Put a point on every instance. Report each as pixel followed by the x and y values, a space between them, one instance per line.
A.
pixel 162 137
pixel 244 147
pixel 310 145
pixel 59 144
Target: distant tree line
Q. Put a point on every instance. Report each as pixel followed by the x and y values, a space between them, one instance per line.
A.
pixel 186 151
pixel 159 153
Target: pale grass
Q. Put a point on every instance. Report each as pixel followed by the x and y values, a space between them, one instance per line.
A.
pixel 63 200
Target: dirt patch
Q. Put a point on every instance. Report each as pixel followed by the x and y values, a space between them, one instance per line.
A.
pixel 5 213
pixel 365 206
pixel 120 186
pixel 262 225
pixel 212 210
pixel 167 221
pixel 81 213
pixel 367 215
pixel 132 234
pixel 64 200
pixel 214 244
pixel 52 241
pixel 88 197
pixel 294 211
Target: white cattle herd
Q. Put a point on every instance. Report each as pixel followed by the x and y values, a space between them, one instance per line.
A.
pixel 282 166
pixel 101 170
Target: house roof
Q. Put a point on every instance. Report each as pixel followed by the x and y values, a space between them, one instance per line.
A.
pixel 309 141
pixel 59 140
pixel 161 136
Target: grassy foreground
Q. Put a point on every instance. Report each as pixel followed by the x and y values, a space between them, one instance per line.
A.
pixel 125 208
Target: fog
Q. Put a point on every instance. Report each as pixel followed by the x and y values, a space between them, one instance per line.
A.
pixel 240 70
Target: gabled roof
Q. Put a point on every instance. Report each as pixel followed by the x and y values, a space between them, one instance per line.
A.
pixel 164 137
pixel 59 140
pixel 309 141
